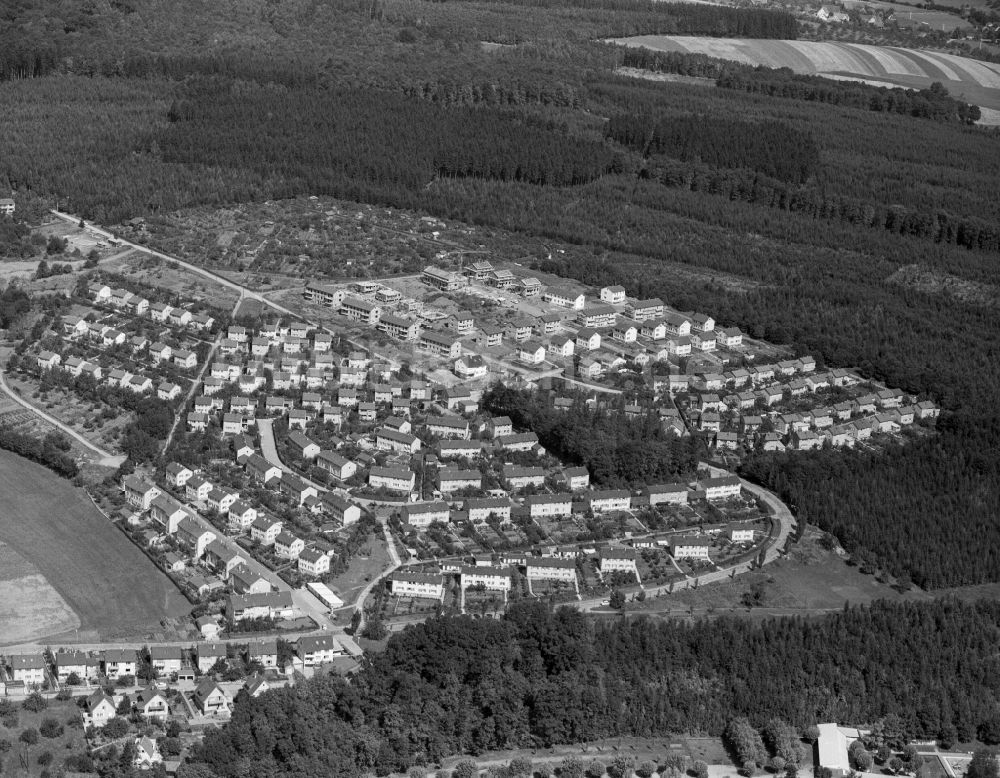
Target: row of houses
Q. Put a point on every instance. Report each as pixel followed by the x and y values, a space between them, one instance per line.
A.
pixel 124 300
pixel 496 574
pixel 421 515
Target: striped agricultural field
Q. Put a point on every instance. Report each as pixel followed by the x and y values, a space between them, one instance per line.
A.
pixel 978 82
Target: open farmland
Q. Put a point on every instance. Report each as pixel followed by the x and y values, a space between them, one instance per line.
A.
pixel 974 81
pixel 113 588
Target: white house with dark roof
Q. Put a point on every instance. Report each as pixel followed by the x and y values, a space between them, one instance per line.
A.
pixel 404 583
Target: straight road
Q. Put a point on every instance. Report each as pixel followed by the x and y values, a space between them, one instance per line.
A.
pixel 194 387
pixel 105 458
pixel 187 265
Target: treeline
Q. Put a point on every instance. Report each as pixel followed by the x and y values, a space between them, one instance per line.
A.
pixel 328 141
pixel 538 677
pixel 769 147
pixel 758 187
pixel 617 451
pixel 691 18
pixel 933 102
pixel 910 511
pixel 50 451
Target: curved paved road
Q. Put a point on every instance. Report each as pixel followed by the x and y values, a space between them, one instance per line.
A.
pixel 106 458
pixel 786 523
pixel 270 452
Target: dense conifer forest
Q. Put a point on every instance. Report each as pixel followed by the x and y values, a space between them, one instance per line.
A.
pixel 539 677
pixel 616 450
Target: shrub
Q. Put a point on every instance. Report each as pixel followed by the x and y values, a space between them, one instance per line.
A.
pixel 29 736
pixel 465 769
pixel 50 728
pixel 45 758
pixel 595 768
pixel 116 728
pixel 35 703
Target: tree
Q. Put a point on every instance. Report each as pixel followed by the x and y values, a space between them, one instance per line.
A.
pixel 50 728
pixel 595 768
pixel 465 769
pixel 571 767
pixel 621 766
pixel 645 769
pixel 777 764
pixel 895 764
pixel 811 733
pixel 417 772
pixel 699 769
pixel 520 767
pixel 984 764
pixel 29 736
pixel 883 753
pixel 116 728
pixel 375 629
pixel 35 703
pixel 170 746
pixel 617 600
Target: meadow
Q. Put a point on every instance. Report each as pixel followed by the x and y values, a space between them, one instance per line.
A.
pixel 111 586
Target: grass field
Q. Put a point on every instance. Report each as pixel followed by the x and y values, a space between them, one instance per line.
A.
pixel 810 581
pixel 708 749
pixel 110 585
pixel 362 569
pixel 70 742
pixel 978 82
pixel 20 583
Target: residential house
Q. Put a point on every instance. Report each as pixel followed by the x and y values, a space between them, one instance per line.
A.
pixel 549 505
pixel 313 562
pixel 317 650
pixel 564 298
pixel 448 426
pixel 689 547
pixel 166 660
pixel 152 705
pixel 139 493
pixel 288 546
pixel 614 295
pixel 442 279
pixel 617 560
pixel 118 662
pixel 722 488
pixel 341 509
pixel 403 583
pixel 211 700
pixel 550 569
pixel 392 478
pixel 100 709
